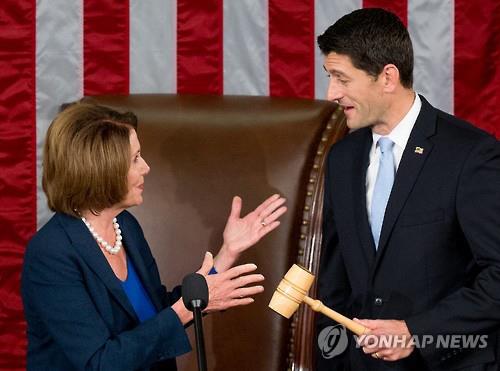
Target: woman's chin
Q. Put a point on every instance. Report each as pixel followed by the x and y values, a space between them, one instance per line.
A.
pixel 131 202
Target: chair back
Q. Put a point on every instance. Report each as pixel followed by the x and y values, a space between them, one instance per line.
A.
pixel 202 151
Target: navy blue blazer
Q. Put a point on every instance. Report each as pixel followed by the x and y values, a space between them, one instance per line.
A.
pixel 438 262
pixel 79 317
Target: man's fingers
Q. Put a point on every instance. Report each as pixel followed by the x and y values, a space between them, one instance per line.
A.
pixel 370 349
pixel 370 323
pixel 386 355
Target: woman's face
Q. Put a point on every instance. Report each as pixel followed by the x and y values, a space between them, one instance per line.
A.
pixel 136 173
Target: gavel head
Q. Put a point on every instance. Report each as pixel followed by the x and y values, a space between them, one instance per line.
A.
pixel 291 291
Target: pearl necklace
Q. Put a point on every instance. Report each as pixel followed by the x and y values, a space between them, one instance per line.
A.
pixel 113 250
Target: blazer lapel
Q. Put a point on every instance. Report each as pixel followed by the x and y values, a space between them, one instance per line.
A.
pixel 360 165
pixel 133 244
pixel 415 154
pixel 88 249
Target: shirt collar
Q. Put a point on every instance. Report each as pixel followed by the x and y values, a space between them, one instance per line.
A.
pixel 401 132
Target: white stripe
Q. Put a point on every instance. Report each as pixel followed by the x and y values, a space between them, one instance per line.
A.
pixel 326 13
pixel 59 76
pixel 245 45
pixel 153 46
pixel 430 23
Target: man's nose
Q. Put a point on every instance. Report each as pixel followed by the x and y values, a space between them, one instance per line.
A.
pixel 334 94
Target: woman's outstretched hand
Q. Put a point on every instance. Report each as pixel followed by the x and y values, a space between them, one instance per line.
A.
pixel 242 233
pixel 232 288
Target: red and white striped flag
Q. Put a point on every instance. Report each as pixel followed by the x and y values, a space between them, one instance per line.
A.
pixel 55 51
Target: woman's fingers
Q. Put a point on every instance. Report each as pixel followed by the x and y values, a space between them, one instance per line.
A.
pixel 234 287
pixel 208 263
pixel 243 292
pixel 240 270
pixel 273 210
pixel 247 280
pixel 266 203
pixel 236 207
pixel 238 302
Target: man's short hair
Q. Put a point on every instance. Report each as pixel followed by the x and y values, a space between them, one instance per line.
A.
pixel 372 38
pixel 86 158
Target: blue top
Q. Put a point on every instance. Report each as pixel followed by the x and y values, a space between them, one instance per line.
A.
pixel 137 294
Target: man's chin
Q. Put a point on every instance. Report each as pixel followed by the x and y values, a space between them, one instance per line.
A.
pixel 352 125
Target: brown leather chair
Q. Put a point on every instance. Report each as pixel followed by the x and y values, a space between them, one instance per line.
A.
pixel 203 150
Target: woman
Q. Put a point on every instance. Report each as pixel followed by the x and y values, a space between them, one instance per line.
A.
pixel 91 288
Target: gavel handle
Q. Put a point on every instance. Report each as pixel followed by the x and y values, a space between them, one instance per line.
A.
pixel 318 306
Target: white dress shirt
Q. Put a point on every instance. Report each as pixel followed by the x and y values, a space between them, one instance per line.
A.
pixel 399 135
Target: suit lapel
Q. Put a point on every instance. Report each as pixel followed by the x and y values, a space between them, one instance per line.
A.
pixel 88 249
pixel 414 156
pixel 133 243
pixel 360 165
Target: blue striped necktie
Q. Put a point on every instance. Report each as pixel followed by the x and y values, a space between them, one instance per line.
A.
pixel 383 186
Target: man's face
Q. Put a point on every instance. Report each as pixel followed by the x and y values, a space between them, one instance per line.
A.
pixel 360 94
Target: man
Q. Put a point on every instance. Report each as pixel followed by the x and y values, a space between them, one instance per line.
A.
pixel 411 213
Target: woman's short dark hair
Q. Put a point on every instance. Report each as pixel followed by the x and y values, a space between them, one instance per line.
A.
pixel 372 38
pixel 86 158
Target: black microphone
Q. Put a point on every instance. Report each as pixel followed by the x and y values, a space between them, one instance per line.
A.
pixel 195 298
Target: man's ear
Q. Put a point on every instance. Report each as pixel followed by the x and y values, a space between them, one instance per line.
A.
pixel 390 78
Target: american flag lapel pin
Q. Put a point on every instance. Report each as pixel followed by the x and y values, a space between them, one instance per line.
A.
pixel 419 150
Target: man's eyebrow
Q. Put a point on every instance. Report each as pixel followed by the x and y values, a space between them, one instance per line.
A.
pixel 336 72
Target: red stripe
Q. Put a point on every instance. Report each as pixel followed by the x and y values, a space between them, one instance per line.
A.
pixel 199 46
pixel 291 48
pixel 18 164
pixel 477 63
pixel 106 46
pixel 398 7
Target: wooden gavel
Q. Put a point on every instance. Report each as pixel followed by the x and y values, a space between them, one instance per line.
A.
pixel 291 292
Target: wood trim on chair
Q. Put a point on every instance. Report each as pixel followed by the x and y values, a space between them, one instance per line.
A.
pixel 301 343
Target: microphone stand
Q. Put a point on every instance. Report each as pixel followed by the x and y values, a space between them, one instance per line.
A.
pixel 198 330
pixel 195 298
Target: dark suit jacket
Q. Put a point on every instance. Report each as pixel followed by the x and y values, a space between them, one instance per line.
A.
pixel 79 317
pixel 438 262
